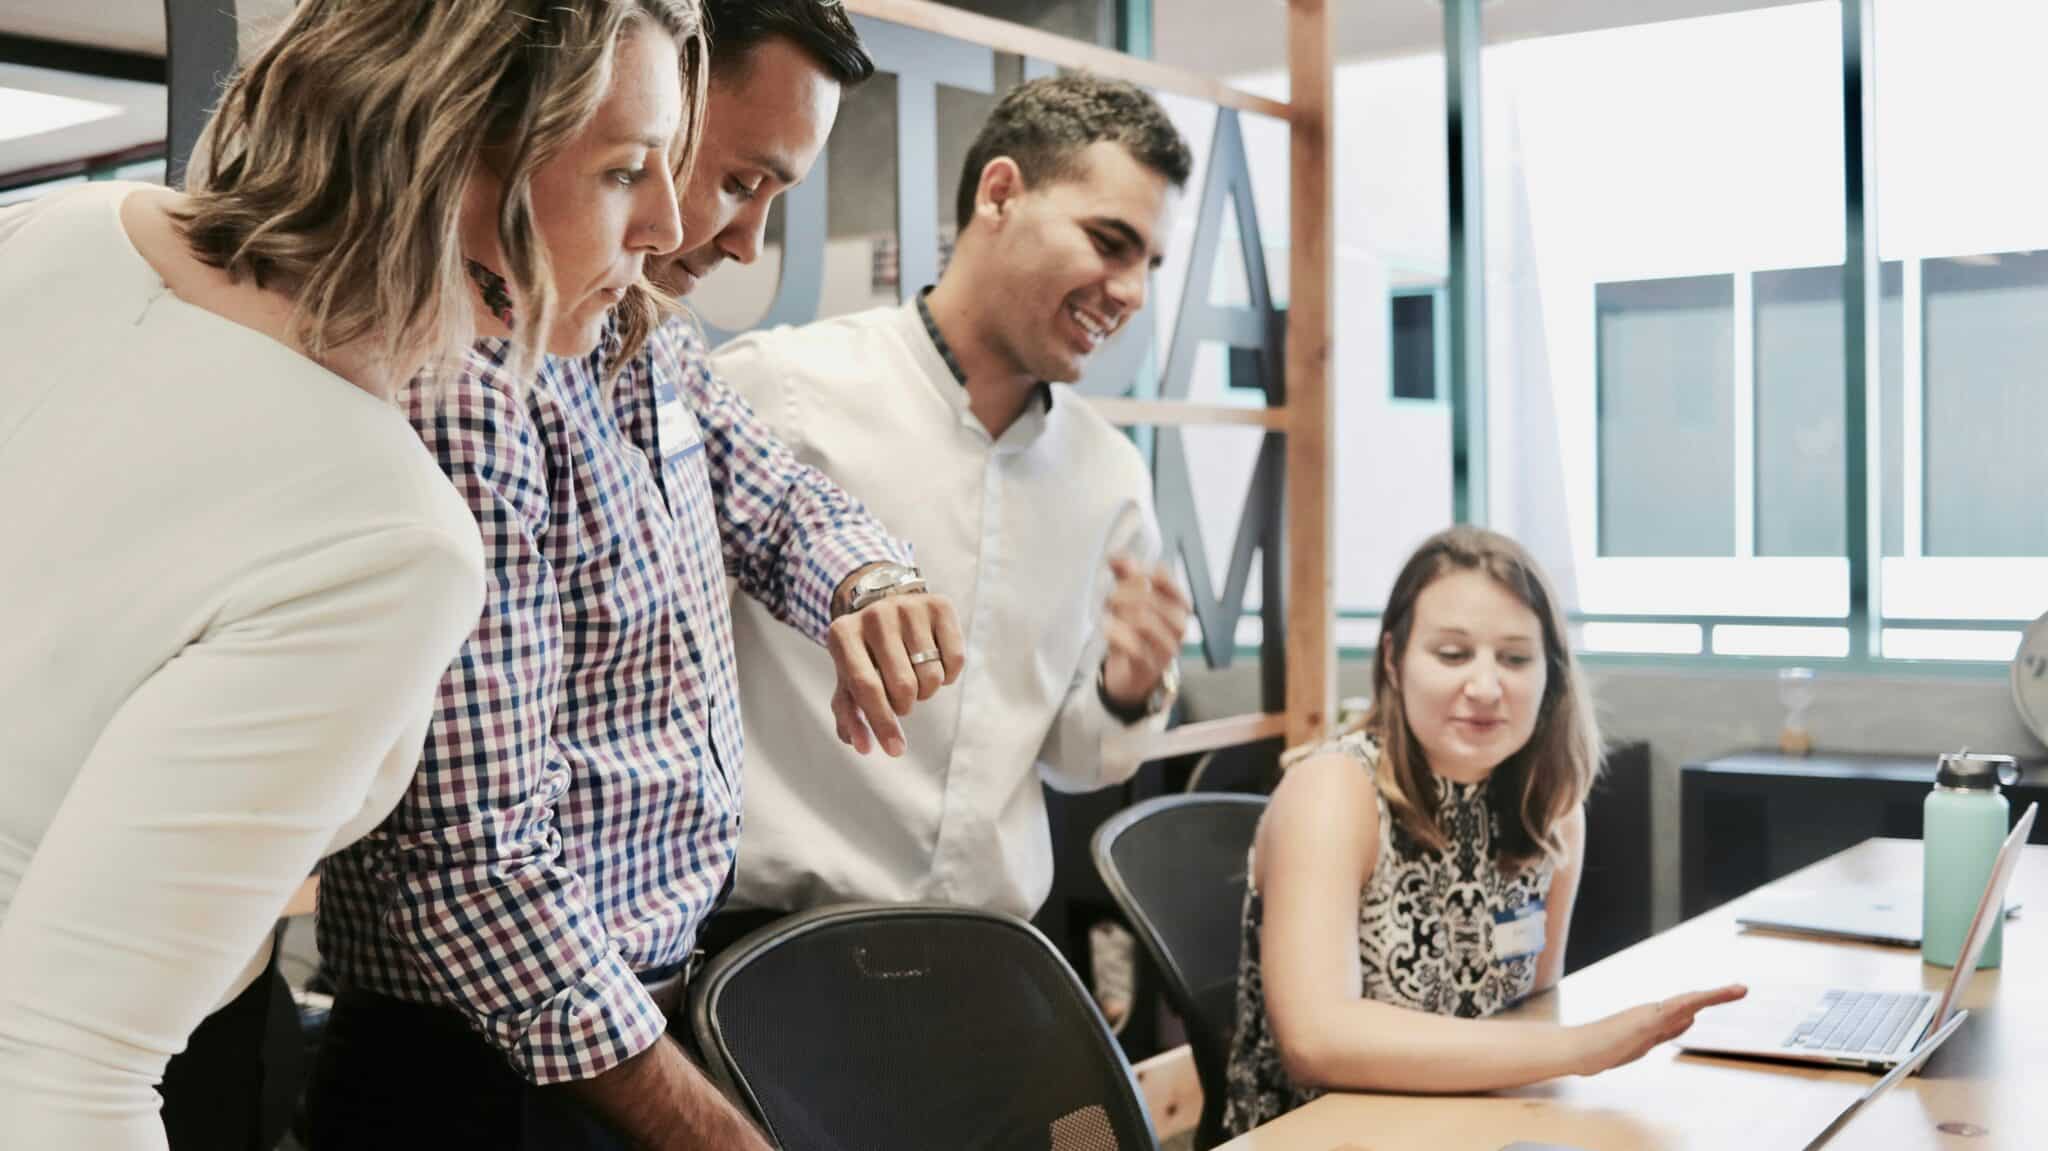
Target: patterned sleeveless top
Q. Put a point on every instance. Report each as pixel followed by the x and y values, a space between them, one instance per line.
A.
pixel 1426 924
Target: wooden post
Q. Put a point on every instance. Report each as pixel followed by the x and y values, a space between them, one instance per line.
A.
pixel 1311 406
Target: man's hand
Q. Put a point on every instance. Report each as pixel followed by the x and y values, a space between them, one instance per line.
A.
pixel 1145 619
pixel 891 654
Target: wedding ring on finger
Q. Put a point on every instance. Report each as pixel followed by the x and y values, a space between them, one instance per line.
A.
pixel 918 657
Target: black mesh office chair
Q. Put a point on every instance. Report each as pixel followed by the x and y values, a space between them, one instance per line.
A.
pixel 914 1026
pixel 1176 866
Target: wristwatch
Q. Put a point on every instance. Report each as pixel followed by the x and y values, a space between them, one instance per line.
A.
pixel 881 581
pixel 1161 698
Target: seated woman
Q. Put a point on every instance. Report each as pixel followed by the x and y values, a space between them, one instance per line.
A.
pixel 1418 875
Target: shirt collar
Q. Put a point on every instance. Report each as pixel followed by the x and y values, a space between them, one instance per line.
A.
pixel 931 328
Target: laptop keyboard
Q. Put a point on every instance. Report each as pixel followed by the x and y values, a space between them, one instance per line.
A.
pixel 1858 1021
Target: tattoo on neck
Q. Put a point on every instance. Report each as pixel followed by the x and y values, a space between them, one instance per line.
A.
pixel 496 293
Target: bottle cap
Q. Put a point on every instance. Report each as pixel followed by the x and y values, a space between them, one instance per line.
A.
pixel 1970 772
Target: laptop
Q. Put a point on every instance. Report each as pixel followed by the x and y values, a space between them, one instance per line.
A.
pixel 1907 1065
pixel 1864 916
pixel 1857 1027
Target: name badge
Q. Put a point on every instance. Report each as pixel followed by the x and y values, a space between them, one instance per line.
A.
pixel 675 429
pixel 1518 934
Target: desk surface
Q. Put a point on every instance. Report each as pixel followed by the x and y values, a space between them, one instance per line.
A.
pixel 1669 1101
pixel 1913 769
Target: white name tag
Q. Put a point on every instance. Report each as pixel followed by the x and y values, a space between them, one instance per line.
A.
pixel 675 429
pixel 1518 934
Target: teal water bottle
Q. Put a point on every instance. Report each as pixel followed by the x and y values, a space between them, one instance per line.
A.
pixel 1965 824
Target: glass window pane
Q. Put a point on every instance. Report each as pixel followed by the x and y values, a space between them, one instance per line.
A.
pixel 1800 458
pixel 1414 320
pixel 1689 177
pixel 1986 404
pixel 1667 417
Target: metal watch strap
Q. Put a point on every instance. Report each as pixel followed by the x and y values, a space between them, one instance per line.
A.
pixel 1160 699
pixel 907 581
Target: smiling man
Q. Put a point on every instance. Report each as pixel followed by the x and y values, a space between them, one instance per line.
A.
pixel 942 415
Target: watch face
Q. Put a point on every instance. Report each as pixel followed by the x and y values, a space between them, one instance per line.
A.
pixel 885 576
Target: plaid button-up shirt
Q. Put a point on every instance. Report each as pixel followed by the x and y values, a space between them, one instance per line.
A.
pixel 578 803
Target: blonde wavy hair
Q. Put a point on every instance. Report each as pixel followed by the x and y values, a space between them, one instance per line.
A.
pixel 1546 779
pixel 335 164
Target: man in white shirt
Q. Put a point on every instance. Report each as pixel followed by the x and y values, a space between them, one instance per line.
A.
pixel 1029 507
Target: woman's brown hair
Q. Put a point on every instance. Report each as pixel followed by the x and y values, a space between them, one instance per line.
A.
pixel 1534 789
pixel 335 164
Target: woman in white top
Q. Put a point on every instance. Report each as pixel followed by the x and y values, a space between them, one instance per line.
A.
pixel 231 577
pixel 1418 875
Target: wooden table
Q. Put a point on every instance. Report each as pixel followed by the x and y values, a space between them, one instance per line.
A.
pixel 1992 1074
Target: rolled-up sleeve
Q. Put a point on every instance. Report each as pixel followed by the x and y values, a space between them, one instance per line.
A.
pixel 477 891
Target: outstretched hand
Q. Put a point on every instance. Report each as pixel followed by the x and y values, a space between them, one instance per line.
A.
pixel 1629 1035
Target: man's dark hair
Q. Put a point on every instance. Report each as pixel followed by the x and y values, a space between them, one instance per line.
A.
pixel 1045 124
pixel 820 27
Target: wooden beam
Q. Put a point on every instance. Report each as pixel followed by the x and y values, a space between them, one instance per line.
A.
pixel 1004 36
pixel 1172 1091
pixel 83 59
pixel 1159 413
pixel 1211 734
pixel 1311 403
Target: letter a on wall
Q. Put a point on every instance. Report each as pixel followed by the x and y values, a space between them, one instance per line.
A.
pixel 1253 334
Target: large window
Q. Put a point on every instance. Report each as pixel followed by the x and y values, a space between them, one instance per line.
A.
pixel 1665 424
pixel 1960 209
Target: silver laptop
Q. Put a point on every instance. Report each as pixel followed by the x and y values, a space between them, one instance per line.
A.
pixel 1859 1027
pixel 1907 1065
pixel 1867 915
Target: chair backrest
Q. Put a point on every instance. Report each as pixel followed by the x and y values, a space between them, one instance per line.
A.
pixel 1247 768
pixel 914 1025
pixel 1176 866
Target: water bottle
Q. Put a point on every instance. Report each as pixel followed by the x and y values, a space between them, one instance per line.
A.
pixel 1965 824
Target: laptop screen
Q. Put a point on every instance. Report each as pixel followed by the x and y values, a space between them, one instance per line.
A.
pixel 1907 1066
pixel 1989 908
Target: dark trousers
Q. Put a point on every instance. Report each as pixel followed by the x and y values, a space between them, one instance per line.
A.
pixel 233 1087
pixel 393 1075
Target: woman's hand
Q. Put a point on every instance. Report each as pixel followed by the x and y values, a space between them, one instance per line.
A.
pixel 1628 1035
